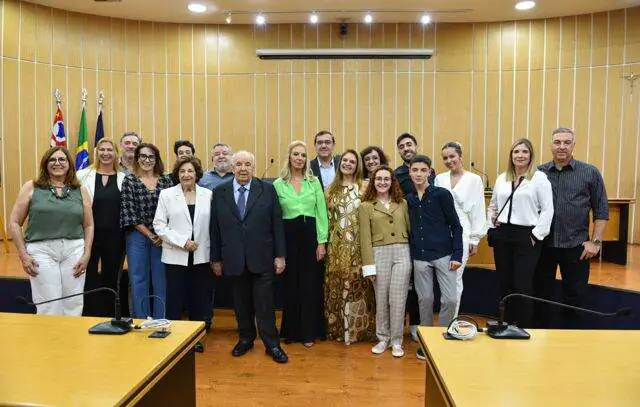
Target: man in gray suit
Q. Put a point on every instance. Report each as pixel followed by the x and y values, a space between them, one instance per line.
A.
pixel 325 165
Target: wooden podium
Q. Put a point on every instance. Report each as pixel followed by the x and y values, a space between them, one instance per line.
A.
pixel 614 241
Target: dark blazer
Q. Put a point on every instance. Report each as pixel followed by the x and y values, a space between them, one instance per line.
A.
pixel 315 168
pixel 251 243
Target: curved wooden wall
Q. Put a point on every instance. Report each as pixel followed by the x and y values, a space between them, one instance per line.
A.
pixel 488 85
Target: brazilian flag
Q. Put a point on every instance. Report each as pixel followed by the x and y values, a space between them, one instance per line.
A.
pixel 82 152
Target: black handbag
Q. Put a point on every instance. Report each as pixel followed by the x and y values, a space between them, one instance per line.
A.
pixel 493 234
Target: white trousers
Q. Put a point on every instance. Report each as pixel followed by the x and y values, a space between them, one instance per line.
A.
pixel 460 271
pixel 56 259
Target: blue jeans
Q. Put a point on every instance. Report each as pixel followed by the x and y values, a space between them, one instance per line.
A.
pixel 146 269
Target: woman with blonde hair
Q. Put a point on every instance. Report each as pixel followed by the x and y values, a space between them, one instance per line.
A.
pixel 304 212
pixel 104 183
pixel 349 299
pixel 519 217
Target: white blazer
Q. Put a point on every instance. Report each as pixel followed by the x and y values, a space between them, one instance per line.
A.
pixel 172 223
pixel 87 178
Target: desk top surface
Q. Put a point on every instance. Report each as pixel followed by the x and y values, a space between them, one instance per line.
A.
pixel 54 361
pixel 553 368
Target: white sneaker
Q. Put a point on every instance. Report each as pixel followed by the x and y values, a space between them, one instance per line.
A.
pixel 380 347
pixel 414 332
pixel 397 351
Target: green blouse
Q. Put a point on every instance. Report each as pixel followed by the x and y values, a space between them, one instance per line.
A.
pixel 309 202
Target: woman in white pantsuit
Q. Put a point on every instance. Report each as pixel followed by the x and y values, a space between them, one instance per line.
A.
pixel 468 197
pixel 56 245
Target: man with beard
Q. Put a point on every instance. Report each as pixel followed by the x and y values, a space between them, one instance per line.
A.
pixel 128 143
pixel 220 159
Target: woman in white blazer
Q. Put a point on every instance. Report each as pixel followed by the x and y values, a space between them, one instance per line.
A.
pixel 182 221
pixel 104 182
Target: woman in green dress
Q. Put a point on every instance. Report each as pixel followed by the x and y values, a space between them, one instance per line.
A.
pixel 349 297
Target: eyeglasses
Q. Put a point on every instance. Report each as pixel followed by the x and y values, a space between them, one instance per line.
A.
pixel 325 142
pixel 59 160
pixel 381 179
pixel 144 157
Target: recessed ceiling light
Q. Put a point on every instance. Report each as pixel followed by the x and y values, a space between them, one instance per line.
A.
pixel 313 18
pixel 425 19
pixel 368 18
pixel 525 5
pixel 197 8
pixel 260 19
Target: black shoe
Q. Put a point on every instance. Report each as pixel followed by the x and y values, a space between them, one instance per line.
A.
pixel 199 347
pixel 420 354
pixel 241 348
pixel 277 354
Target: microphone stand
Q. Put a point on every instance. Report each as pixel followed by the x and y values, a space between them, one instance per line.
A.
pixel 117 325
pixel 487 188
pixel 502 330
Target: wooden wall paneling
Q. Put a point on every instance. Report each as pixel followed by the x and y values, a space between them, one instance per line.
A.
pixel 415 104
pixel 506 131
pixel 534 130
pixel 584 41
pixel 274 146
pixel 132 45
pixel 476 151
pixel 212 44
pixel 260 146
pixel 117 45
pixel 376 40
pixel 375 114
pixel 600 39
pixel 173 48
pixel 617 29
pixel 75 29
pixel 455 47
pixel 403 40
pixel 312 103
pixel 430 33
pixel 611 151
pixel 73 100
pixel 11 29
pixel 185 37
pixel 90 44
pixel 146 40
pixel 597 129
pixel 389 109
pixel 493 157
pixel 553 38
pixel 403 102
pixel 158 51
pixel 10 122
pixel 187 109
pixel 361 39
pixel 537 44
pixel 174 118
pixel 416 40
pixel 102 29
pixel 581 123
pixel 627 166
pixel 199 49
pixel 103 80
pixel 521 104
pixel 310 41
pixel 297 40
pixel 44 109
pixel 336 41
pixel 161 113
pixel 427 144
pixel 522 44
pixel 285 120
pixel 147 107
pixel 363 111
pixel 119 104
pixel 566 98
pixel 324 100
pixel 213 111
pixel 237 99
pixel 324 37
pixel 43 34
pixel 237 54
pixel 90 83
pixel 509 47
pixel 201 132
pixel 550 109
pixel 131 113
pixel 298 110
pixel 569 43
pixel 494 46
pixel 351 41
pixel 350 138
pixel 28 32
pixel 633 36
pixel 59 37
pixel 27 121
pixel 479 46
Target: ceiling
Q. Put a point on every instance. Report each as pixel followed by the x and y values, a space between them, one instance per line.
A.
pixel 296 11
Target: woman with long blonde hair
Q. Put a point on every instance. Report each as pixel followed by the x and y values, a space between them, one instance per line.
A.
pixel 305 224
pixel 349 299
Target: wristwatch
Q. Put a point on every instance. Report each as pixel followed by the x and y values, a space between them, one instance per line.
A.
pixel 597 242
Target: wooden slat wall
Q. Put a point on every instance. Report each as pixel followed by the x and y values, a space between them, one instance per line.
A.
pixel 488 85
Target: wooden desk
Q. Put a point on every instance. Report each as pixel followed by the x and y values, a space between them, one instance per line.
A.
pixel 54 361
pixel 553 368
pixel 614 240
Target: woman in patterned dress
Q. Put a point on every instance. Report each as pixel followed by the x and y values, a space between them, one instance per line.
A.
pixel 349 297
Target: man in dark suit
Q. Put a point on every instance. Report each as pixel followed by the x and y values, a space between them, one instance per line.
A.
pixel 247 244
pixel 325 165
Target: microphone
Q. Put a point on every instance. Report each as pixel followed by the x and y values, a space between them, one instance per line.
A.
pixel 117 326
pixel 487 188
pixel 271 161
pixel 503 330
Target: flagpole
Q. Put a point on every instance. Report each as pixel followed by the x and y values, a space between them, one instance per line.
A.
pixel 58 95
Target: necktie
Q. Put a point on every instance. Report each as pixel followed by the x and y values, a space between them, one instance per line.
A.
pixel 242 201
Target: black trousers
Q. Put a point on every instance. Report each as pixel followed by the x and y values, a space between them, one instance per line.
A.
pixel 189 287
pixel 516 258
pixel 253 301
pixel 302 311
pixel 575 282
pixel 412 307
pixel 108 251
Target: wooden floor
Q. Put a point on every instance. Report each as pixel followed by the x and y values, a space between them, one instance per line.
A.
pixel 330 373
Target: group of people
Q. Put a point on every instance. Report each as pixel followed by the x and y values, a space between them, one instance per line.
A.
pixel 357 244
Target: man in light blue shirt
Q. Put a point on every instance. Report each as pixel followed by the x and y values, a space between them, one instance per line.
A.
pixel 221 160
pixel 324 166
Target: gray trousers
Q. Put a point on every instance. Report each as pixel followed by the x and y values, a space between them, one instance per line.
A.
pixel 393 271
pixel 423 272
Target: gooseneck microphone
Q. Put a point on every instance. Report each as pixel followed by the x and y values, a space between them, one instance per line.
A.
pixel 503 330
pixel 117 326
pixel 487 188
pixel 271 161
